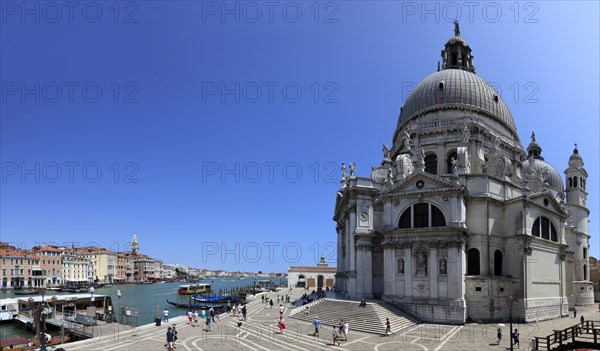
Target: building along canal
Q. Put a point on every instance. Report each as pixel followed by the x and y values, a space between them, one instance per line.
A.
pixel 143 297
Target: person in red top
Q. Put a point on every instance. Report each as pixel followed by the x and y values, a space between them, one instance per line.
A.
pixel 281 325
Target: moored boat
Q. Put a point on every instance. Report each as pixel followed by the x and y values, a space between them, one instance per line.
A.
pixel 216 298
pixel 27 292
pixel 9 308
pixel 196 305
pixel 194 289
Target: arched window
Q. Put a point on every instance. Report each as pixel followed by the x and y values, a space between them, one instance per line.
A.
pixel 452 156
pixel 543 228
pixel 473 262
pixel 431 164
pixel 423 215
pixel 406 219
pixel 574 182
pixel 437 217
pixel 570 182
pixel 583 183
pixel 498 262
pixel 584 272
pixel 584 252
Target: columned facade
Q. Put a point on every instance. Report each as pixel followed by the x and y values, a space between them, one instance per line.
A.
pixel 459 217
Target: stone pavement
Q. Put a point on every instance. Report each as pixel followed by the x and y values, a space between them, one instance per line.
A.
pixel 260 332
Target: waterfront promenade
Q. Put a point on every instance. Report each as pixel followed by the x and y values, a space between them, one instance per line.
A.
pixel 260 332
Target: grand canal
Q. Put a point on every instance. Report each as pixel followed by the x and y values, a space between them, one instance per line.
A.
pixel 146 298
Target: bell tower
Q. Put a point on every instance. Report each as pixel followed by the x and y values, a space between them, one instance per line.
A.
pixel 577 227
pixel 135 247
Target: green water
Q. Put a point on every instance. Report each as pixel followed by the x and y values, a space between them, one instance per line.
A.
pixel 146 298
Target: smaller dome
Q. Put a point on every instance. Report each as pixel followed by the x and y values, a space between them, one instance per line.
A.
pixel 546 171
pixel 576 161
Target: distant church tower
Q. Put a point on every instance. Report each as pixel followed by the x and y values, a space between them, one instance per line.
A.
pixel 577 227
pixel 135 247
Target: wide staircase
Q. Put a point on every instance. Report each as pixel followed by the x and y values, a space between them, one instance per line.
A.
pixel 369 319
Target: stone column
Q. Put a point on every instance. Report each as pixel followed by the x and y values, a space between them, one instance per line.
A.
pixel 352 247
pixel 340 259
pixel 455 267
pixel 364 274
pixel 388 213
pixel 433 272
pixel 408 270
pixel 389 270
pixel 441 155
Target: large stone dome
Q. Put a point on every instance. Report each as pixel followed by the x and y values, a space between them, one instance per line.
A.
pixel 456 89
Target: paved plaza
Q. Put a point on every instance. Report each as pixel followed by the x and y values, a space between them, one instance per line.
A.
pixel 260 332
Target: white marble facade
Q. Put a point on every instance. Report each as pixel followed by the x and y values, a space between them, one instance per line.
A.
pixel 458 216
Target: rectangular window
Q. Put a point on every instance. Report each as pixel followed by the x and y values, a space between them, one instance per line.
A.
pixel 421 215
pixel 584 252
pixel 545 228
pixel 477 288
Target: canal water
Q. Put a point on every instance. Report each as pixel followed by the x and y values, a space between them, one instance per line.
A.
pixel 145 297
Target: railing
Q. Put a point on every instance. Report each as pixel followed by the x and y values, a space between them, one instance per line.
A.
pixel 587 332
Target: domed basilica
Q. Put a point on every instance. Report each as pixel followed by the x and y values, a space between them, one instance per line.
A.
pixel 459 217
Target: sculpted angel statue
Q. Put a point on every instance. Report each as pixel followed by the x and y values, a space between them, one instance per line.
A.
pixel 352 168
pixel 386 152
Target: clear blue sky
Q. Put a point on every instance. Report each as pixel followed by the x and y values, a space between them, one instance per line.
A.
pixel 142 92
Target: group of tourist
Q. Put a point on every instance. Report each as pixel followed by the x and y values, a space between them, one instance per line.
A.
pixel 515 336
pixel 210 317
pixel 341 331
pixel 171 337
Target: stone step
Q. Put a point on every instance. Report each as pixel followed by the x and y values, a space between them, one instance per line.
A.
pixel 369 319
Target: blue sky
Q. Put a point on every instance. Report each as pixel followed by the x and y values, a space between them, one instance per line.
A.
pixel 214 130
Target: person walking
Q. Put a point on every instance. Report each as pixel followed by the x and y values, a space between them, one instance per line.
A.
pixel 208 321
pixel 388 327
pixel 211 313
pixel 317 324
pixel 244 313
pixel 281 310
pixel 499 335
pixel 574 312
pixel 195 319
pixel 582 320
pixel 174 330
pixel 190 316
pixel 346 329
pixel 515 337
pixel 217 316
pixel 240 310
pixel 271 303
pixel 281 325
pixel 335 336
pixel 166 315
pixel 170 339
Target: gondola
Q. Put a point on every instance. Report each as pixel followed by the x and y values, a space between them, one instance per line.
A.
pixel 216 298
